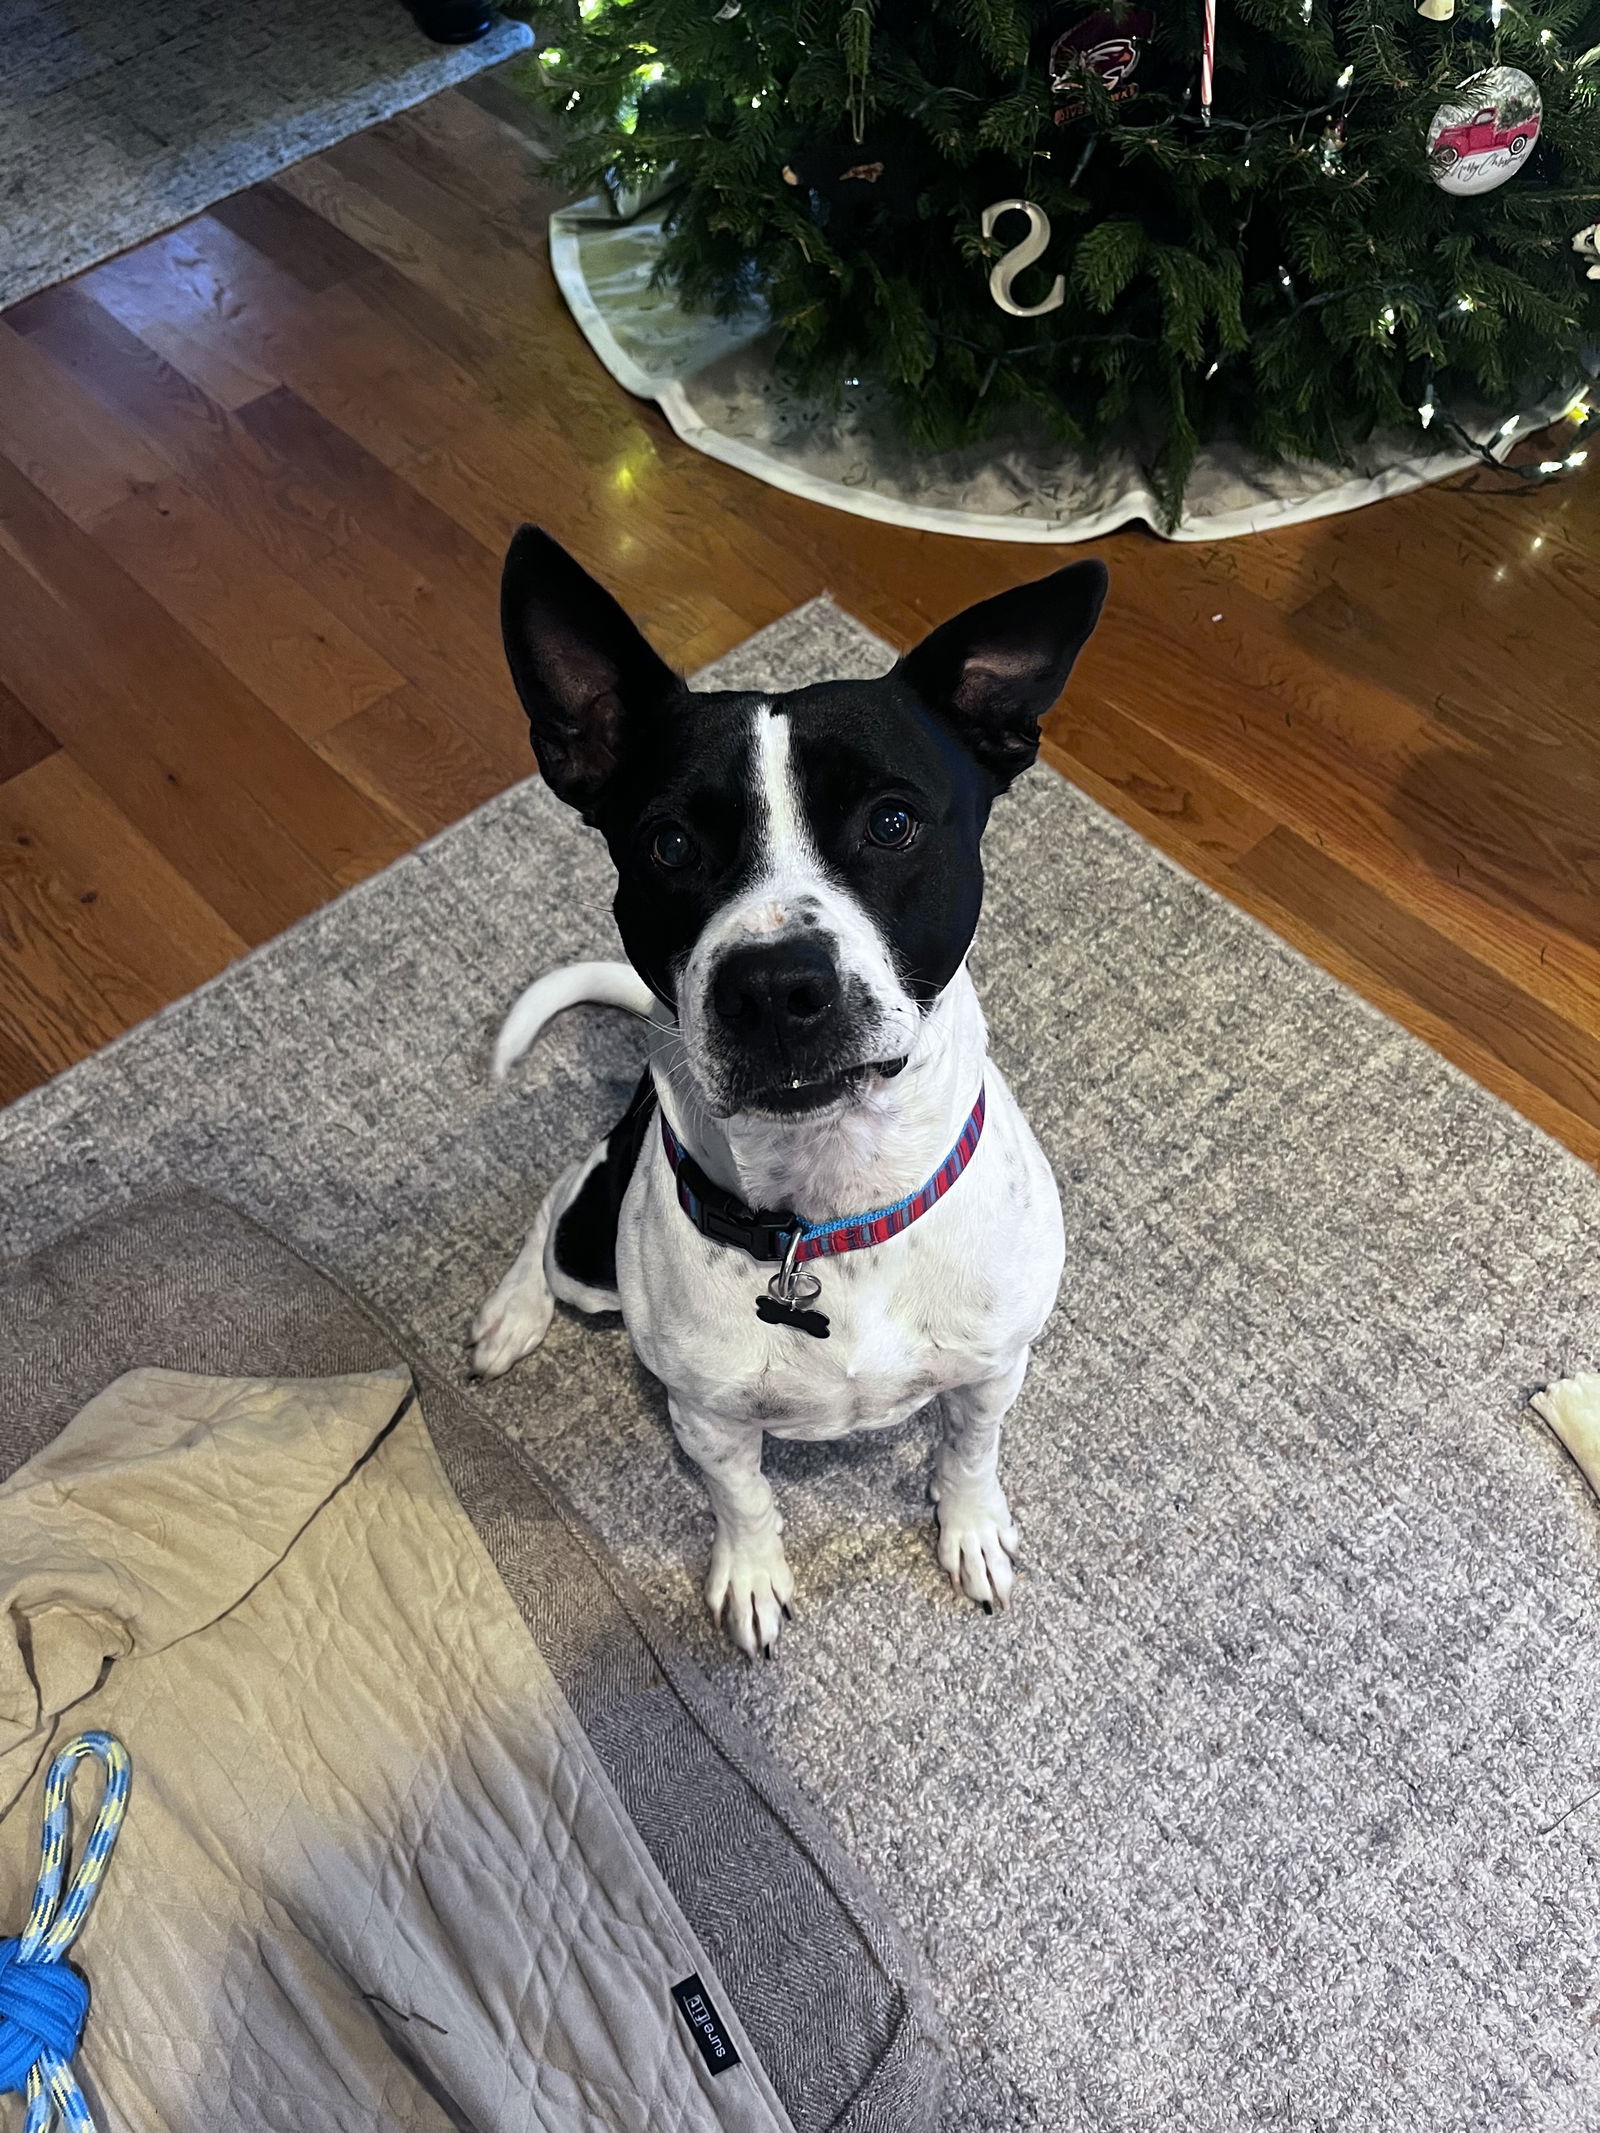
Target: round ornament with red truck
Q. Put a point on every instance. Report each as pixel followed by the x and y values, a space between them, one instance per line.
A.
pixel 1483 135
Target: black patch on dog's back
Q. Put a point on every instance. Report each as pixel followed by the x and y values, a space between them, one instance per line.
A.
pixel 586 1235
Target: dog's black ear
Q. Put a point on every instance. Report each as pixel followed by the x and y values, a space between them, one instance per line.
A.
pixel 583 671
pixel 993 671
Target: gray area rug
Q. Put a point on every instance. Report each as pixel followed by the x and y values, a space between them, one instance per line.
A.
pixel 1267 1804
pixel 119 120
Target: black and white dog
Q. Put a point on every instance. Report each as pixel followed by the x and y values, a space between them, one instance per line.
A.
pixel 822 1209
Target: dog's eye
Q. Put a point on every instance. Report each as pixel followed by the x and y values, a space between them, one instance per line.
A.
pixel 672 848
pixel 891 825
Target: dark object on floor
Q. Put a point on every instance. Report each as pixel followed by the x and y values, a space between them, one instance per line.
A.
pixel 452 21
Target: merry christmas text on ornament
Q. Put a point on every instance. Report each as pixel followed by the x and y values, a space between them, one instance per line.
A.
pixel 1482 136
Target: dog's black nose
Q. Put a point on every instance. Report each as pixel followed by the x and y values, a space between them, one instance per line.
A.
pixel 780 989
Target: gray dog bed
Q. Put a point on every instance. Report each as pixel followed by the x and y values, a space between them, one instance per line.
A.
pixel 819 1977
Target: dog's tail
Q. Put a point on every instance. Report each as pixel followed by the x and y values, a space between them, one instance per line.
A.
pixel 577 985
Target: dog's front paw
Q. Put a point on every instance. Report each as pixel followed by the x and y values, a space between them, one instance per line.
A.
pixel 512 1323
pixel 749 1591
pixel 977 1540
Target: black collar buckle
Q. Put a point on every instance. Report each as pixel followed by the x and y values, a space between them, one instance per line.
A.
pixel 762 1236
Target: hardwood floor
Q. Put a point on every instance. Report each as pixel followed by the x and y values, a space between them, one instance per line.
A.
pixel 255 481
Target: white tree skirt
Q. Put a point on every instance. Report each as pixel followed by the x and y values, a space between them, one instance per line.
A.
pixel 717 385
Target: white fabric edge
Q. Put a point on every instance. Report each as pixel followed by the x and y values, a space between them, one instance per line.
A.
pixel 566 263
pixel 1350 495
pixel 672 396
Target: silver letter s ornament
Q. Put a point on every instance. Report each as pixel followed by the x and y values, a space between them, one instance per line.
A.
pixel 1010 264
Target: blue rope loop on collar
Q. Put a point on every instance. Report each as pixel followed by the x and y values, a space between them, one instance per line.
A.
pixel 44 2000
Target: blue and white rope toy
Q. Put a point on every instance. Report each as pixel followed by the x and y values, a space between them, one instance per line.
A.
pixel 44 2002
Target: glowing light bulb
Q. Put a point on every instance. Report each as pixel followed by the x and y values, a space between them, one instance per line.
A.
pixel 1426 413
pixel 1465 303
pixel 1550 466
pixel 1508 427
pixel 1576 459
pixel 1346 78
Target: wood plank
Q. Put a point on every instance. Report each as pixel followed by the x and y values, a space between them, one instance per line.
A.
pixel 447 644
pixel 96 929
pixel 1513 1042
pixel 239 804
pixel 1196 812
pixel 21 1069
pixel 375 380
pixel 64 440
pixel 373 495
pixel 144 913
pixel 140 300
pixel 274 223
pixel 285 646
pixel 23 741
pixel 475 155
pixel 1364 775
pixel 416 761
pixel 503 451
pixel 180 429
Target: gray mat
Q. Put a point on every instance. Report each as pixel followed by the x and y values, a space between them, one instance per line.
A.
pixel 119 120
pixel 1260 1808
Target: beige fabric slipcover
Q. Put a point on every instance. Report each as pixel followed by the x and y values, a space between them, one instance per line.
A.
pixel 372 1874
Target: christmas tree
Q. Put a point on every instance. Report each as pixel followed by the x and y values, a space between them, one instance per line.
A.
pixel 1289 222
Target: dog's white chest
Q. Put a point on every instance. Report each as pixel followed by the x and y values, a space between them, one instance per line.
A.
pixel 880 1362
pixel 947 1303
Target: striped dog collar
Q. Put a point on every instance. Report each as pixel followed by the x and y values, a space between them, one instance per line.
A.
pixel 785 1238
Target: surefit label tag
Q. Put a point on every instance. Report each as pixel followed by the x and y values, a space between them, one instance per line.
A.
pixel 716 2046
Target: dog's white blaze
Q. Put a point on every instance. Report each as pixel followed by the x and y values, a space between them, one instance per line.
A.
pixel 788 849
pixel 791 885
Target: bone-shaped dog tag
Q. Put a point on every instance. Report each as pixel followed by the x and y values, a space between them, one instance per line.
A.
pixel 789 1293
pixel 776 1312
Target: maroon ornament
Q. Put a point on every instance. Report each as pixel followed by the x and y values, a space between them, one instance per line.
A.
pixel 1109 45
